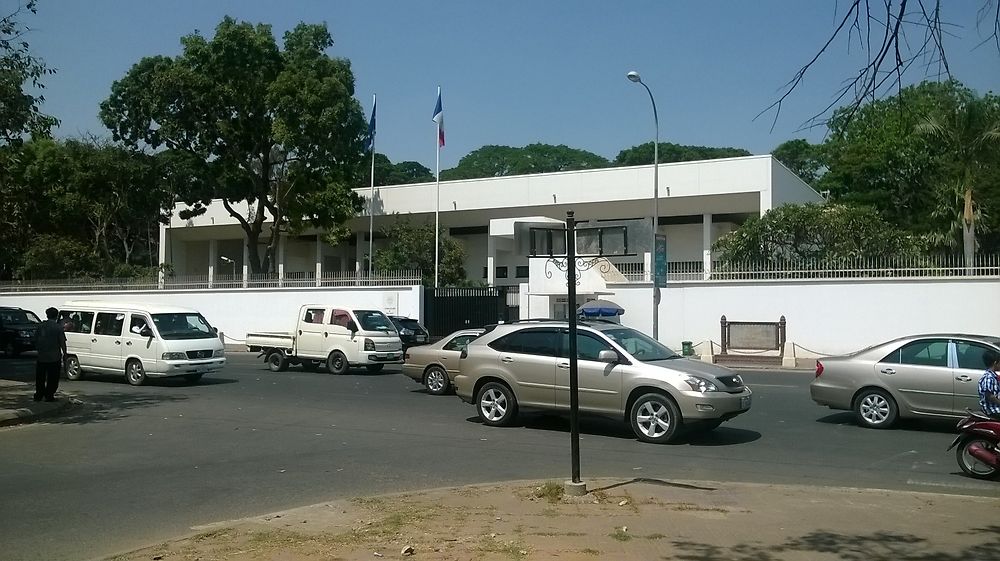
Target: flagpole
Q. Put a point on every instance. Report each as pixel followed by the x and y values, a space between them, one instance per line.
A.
pixel 371 202
pixel 437 202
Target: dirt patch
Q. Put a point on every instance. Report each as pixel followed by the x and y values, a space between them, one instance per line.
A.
pixel 635 520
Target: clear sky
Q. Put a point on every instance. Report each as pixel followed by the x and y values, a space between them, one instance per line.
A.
pixel 514 72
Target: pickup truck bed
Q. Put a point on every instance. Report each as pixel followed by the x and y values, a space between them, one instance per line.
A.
pixel 270 340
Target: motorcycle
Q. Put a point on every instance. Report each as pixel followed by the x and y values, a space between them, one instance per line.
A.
pixel 978 445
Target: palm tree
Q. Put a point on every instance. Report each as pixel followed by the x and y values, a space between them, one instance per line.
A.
pixel 968 133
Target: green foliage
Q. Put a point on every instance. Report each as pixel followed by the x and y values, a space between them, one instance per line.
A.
pixel 387 173
pixel 643 154
pixel 50 256
pixel 500 161
pixel 822 232
pixel 248 122
pixel 20 110
pixel 411 247
pixel 803 159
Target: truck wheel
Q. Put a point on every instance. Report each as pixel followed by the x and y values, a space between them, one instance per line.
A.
pixel 277 361
pixel 337 363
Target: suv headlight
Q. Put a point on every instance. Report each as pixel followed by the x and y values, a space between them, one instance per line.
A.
pixel 699 384
pixel 174 356
pixel 219 353
pixel 25 334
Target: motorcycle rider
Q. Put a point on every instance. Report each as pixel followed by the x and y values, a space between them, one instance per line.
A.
pixel 989 385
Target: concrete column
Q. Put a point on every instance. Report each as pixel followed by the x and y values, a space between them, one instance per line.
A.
pixel 162 255
pixel 281 260
pixel 246 263
pixel 491 261
pixel 706 243
pixel 359 255
pixel 213 258
pixel 319 259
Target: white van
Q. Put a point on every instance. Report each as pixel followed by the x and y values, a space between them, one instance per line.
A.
pixel 338 336
pixel 139 340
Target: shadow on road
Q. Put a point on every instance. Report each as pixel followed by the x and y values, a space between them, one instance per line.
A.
pixel 602 426
pixel 982 543
pixel 922 425
pixel 109 407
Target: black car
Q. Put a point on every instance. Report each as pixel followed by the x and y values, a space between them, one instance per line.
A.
pixel 411 333
pixel 17 330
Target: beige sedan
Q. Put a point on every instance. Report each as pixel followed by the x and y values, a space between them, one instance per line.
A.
pixel 929 376
pixel 435 365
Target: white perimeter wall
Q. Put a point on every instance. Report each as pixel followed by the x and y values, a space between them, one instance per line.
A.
pixel 237 312
pixel 828 317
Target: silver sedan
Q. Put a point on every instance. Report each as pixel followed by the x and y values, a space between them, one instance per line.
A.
pixel 929 376
pixel 435 365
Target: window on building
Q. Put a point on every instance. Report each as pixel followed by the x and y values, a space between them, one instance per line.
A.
pixel 501 272
pixel 486 271
pixel 521 272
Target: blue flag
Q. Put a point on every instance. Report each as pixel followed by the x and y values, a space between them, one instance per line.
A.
pixel 370 137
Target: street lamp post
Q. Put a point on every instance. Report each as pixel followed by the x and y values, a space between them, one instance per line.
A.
pixel 634 77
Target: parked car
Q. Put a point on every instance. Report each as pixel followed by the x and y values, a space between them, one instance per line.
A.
pixel 934 375
pixel 138 340
pixel 17 329
pixel 335 335
pixel 622 373
pixel 410 331
pixel 435 365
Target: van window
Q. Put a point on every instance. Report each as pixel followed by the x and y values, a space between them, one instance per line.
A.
pixel 109 324
pixel 136 323
pixel 374 320
pixel 76 322
pixel 183 325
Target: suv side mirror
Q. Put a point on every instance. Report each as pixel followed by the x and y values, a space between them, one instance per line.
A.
pixel 352 327
pixel 609 356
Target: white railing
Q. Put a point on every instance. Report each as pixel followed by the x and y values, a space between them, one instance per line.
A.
pixel 895 267
pixel 217 282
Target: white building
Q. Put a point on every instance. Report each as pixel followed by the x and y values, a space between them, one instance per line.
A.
pixel 699 202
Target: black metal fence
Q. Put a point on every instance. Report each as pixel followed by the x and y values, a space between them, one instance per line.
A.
pixel 450 309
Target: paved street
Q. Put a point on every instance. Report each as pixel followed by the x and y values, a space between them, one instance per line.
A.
pixel 135 465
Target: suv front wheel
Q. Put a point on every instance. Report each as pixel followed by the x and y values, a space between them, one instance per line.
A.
pixel 496 404
pixel 655 418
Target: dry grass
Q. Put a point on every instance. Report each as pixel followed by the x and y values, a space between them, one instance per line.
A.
pixel 550 491
pixel 512 549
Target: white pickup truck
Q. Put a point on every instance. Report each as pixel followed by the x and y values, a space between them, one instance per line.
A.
pixel 336 336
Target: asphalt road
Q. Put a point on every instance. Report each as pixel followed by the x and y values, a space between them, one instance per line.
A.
pixel 135 465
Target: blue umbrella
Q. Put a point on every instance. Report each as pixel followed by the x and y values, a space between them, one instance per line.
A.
pixel 601 308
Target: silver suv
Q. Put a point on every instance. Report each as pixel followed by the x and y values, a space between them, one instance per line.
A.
pixel 622 372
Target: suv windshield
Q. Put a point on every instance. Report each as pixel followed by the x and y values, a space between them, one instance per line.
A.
pixel 374 320
pixel 639 345
pixel 18 316
pixel 189 325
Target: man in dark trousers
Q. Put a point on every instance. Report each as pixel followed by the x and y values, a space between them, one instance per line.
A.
pixel 50 342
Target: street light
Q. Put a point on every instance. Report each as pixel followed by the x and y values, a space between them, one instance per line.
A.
pixel 634 77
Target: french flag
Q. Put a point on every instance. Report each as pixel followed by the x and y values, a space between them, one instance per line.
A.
pixel 439 119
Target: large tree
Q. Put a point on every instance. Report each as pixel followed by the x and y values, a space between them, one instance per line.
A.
pixel 388 173
pixel 669 152
pixel 802 158
pixel 20 110
pixel 410 247
pixel 969 136
pixel 275 129
pixel 827 234
pixel 499 161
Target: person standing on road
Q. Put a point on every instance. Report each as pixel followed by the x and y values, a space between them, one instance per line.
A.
pixel 50 342
pixel 989 385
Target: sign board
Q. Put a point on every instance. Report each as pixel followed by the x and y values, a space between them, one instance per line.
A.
pixel 754 336
pixel 660 262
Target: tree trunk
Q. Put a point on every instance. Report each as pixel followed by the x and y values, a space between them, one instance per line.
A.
pixel 969 232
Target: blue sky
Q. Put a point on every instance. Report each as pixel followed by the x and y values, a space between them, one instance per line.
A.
pixel 514 72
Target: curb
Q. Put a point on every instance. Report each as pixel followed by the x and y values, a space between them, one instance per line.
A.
pixel 11 417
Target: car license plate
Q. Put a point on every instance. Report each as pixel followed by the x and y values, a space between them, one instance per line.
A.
pixel 745 402
pixel 421 338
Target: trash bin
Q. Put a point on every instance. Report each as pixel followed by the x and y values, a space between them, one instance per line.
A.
pixel 687 348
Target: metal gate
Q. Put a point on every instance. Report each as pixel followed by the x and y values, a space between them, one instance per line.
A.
pixel 450 309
